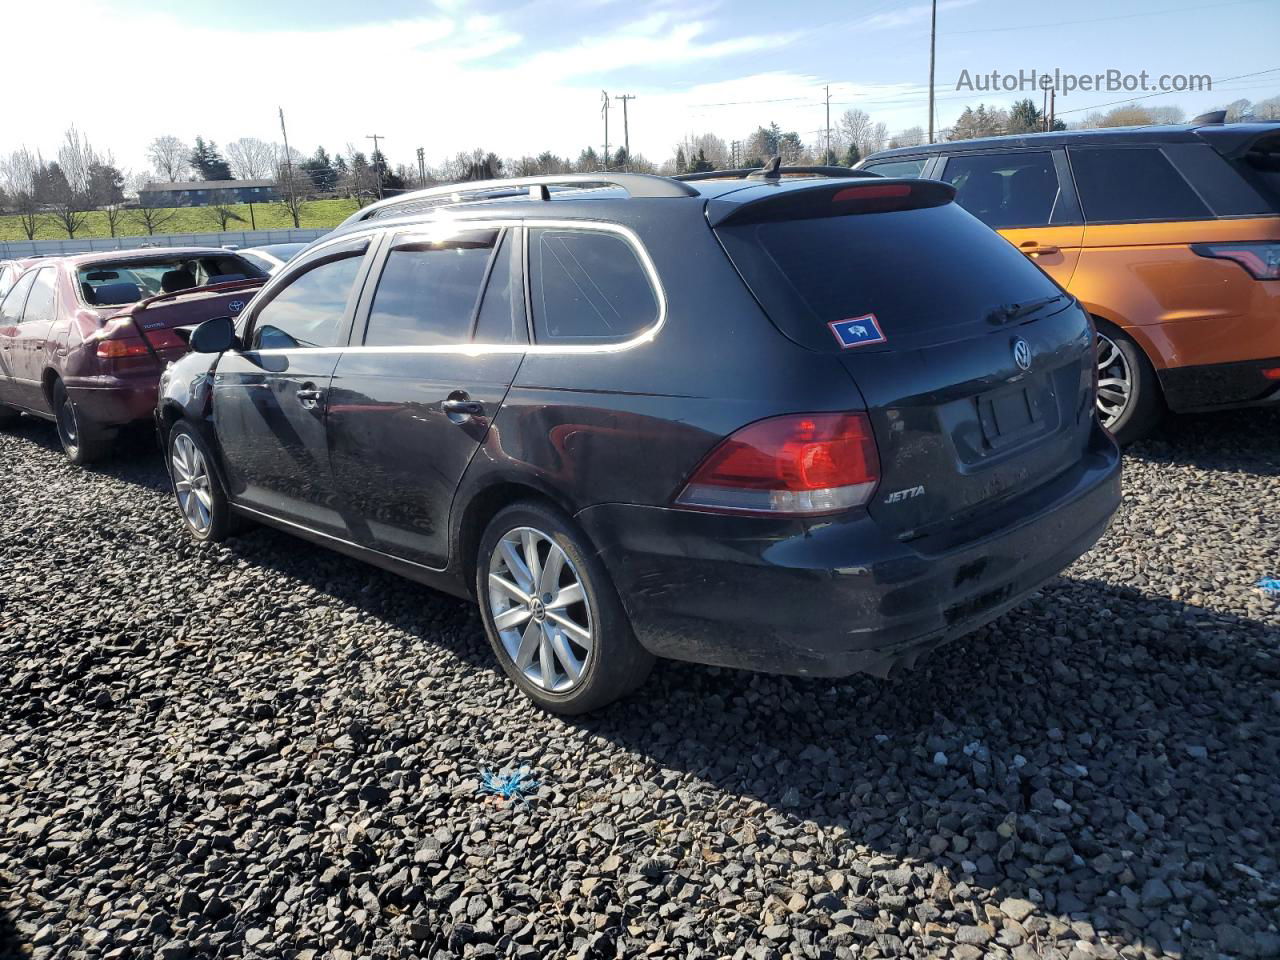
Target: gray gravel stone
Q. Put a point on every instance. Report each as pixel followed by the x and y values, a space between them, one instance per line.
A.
pixel 265 749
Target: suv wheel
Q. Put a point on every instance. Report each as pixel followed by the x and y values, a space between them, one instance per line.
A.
pixel 83 441
pixel 552 615
pixel 200 496
pixel 1129 401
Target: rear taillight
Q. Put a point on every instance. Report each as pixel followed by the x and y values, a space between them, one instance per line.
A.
pixel 1262 260
pixel 166 340
pixel 805 464
pixel 122 347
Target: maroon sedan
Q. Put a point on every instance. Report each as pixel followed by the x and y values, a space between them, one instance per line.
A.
pixel 83 338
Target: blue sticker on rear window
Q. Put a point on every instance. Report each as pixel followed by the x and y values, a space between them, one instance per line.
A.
pixel 857 331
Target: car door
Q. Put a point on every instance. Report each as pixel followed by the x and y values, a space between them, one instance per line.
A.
pixel 269 398
pixel 441 336
pixel 31 343
pixel 1028 196
pixel 10 322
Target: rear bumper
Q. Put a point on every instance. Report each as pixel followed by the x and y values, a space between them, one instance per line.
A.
pixel 115 401
pixel 831 599
pixel 1218 386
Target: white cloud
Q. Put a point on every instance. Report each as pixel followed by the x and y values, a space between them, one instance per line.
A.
pixel 125 78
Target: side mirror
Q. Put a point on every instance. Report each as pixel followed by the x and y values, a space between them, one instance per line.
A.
pixel 214 336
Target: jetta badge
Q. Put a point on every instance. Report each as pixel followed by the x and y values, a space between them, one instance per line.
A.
pixel 1022 353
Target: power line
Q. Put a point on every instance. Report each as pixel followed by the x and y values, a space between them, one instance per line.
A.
pixel 1166 93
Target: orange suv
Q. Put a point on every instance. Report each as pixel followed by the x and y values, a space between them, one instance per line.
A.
pixel 1169 236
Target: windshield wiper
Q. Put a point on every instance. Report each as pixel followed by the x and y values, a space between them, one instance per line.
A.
pixel 1007 313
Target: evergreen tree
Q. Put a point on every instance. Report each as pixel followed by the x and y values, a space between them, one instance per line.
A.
pixel 319 167
pixel 701 164
pixel 208 162
pixel 852 156
pixel 1025 118
pixel 682 165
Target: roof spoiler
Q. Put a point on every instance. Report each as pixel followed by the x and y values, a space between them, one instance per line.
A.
pixel 773 171
pixel 1212 117
pixel 801 200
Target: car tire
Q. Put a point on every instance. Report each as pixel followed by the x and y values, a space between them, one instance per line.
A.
pixel 572 653
pixel 83 441
pixel 1130 404
pixel 201 499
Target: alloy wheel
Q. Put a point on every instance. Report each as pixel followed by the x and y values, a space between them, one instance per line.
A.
pixel 1115 381
pixel 540 609
pixel 191 483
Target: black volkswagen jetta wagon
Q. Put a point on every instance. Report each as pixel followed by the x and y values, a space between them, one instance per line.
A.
pixel 811 421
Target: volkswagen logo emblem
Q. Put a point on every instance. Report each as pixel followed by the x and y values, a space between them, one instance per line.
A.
pixel 1022 354
pixel 235 306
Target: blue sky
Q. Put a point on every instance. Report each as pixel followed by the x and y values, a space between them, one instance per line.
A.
pixel 521 77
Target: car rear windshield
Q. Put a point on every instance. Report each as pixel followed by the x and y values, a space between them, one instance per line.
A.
pixel 925 274
pixel 113 283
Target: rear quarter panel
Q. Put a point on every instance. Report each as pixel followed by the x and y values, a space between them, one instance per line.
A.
pixel 1183 309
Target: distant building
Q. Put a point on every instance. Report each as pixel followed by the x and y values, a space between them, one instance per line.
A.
pixel 202 193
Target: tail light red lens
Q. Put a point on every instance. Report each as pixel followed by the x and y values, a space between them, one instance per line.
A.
pixel 122 347
pixel 798 465
pixel 1262 260
pixel 166 340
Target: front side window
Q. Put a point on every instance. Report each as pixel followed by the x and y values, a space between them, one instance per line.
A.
pixel 309 311
pixel 11 308
pixel 429 290
pixel 897 168
pixel 40 304
pixel 1007 189
pixel 1132 183
pixel 588 287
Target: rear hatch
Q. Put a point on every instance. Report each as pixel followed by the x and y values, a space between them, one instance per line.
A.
pixel 976 370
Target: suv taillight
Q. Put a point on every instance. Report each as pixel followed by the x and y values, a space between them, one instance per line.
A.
pixel 794 465
pixel 1262 260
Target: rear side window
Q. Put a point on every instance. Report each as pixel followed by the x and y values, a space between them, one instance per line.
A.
pixel 11 308
pixel 897 168
pixel 1006 189
pixel 40 304
pixel 1261 166
pixel 589 287
pixel 501 318
pixel 429 290
pixel 1118 185
pixel 309 311
pixel 923 273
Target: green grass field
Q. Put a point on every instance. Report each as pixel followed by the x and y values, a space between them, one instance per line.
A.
pixel 267 216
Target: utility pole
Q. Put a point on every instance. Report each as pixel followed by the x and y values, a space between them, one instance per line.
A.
pixel 288 169
pixel 422 167
pixel 827 156
pixel 375 137
pixel 1053 93
pixel 626 129
pixel 933 42
pixel 604 110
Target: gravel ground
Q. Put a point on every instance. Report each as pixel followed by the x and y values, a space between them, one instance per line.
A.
pixel 265 749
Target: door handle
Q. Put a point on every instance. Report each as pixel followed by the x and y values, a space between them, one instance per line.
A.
pixel 467 408
pixel 1033 249
pixel 309 396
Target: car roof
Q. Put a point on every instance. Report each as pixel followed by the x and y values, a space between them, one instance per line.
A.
pixel 1152 133
pixel 611 197
pixel 140 253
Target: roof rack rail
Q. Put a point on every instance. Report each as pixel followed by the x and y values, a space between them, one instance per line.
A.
pixel 773 170
pixel 636 184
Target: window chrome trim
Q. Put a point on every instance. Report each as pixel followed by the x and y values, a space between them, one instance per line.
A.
pixel 441 229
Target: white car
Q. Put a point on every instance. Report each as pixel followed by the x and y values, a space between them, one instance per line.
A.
pixel 273 256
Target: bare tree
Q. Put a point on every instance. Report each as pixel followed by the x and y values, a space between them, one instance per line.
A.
pixel 150 214
pixel 224 213
pixel 292 185
pixel 72 192
pixel 18 176
pixel 251 158
pixel 170 156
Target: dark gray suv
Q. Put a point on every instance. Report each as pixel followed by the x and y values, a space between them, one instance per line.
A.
pixel 808 423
